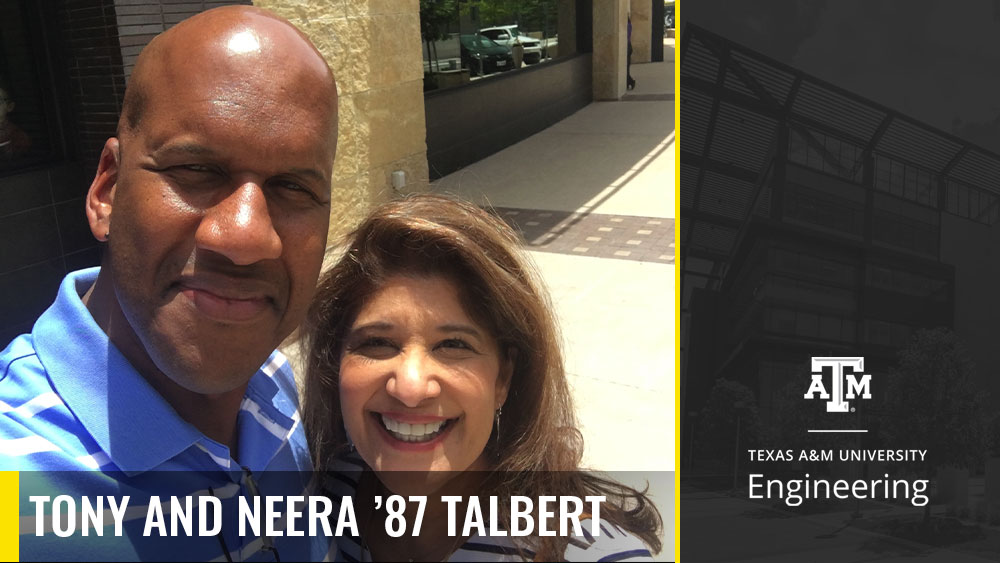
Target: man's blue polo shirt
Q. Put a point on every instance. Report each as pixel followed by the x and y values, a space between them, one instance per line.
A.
pixel 76 414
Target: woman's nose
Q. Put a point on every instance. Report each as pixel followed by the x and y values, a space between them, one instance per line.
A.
pixel 415 379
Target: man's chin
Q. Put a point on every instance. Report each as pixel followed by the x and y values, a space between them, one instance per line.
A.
pixel 211 370
pixel 204 356
pixel 212 386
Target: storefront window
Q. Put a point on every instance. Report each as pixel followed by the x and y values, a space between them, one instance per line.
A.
pixel 469 40
pixel 24 128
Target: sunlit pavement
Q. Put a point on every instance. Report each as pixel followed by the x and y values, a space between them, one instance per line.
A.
pixel 594 198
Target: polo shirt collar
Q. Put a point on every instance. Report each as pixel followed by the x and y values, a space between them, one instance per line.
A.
pixel 130 421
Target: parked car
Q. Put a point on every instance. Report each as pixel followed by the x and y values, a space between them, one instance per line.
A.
pixel 508 35
pixel 481 55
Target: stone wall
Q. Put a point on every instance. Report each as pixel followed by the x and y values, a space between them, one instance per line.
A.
pixel 610 48
pixel 642 30
pixel 374 49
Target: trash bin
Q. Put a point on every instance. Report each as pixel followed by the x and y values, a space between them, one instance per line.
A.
pixel 517 53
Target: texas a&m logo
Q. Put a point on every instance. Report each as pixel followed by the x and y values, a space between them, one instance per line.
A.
pixel 843 385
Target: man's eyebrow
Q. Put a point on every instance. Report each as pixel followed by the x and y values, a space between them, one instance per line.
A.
pixel 195 149
pixel 310 173
pixel 191 149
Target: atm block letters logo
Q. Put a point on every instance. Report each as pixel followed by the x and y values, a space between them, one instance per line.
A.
pixel 843 385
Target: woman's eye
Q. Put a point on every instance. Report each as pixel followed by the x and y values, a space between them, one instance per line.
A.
pixel 376 342
pixel 375 348
pixel 455 344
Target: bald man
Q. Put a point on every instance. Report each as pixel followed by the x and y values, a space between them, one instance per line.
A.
pixel 214 200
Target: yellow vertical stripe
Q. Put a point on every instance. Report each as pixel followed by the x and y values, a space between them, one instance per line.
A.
pixel 9 516
pixel 677 283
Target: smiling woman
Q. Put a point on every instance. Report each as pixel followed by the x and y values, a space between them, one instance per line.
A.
pixel 434 370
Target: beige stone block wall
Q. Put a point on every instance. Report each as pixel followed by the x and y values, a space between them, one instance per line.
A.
pixel 374 49
pixel 610 49
pixel 642 31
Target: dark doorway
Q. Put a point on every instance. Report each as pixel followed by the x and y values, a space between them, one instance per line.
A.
pixel 658 31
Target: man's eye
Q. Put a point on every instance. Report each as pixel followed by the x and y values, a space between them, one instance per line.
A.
pixel 193 169
pixel 194 172
pixel 295 190
pixel 195 176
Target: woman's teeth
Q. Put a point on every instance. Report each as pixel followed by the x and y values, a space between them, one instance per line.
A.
pixel 413 432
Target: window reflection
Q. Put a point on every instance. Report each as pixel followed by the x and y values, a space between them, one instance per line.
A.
pixel 14 142
pixel 24 136
pixel 469 40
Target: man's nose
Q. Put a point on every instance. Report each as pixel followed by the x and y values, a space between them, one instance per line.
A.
pixel 239 227
pixel 415 379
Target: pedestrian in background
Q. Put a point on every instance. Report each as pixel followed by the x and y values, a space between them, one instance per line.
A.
pixel 630 82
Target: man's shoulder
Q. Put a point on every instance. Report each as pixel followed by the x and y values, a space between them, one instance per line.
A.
pixel 37 430
pixel 21 349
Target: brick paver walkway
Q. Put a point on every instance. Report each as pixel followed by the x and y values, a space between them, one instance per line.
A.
pixel 646 239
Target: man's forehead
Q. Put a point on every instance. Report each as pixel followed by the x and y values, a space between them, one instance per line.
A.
pixel 239 27
pixel 235 48
pixel 234 78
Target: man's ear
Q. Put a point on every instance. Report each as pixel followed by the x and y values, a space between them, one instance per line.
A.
pixel 101 196
pixel 506 376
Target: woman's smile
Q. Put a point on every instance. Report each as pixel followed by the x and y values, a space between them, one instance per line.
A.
pixel 413 433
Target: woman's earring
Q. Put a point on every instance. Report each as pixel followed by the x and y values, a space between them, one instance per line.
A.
pixel 496 422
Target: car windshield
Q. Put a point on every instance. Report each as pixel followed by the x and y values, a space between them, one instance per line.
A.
pixel 514 32
pixel 477 42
